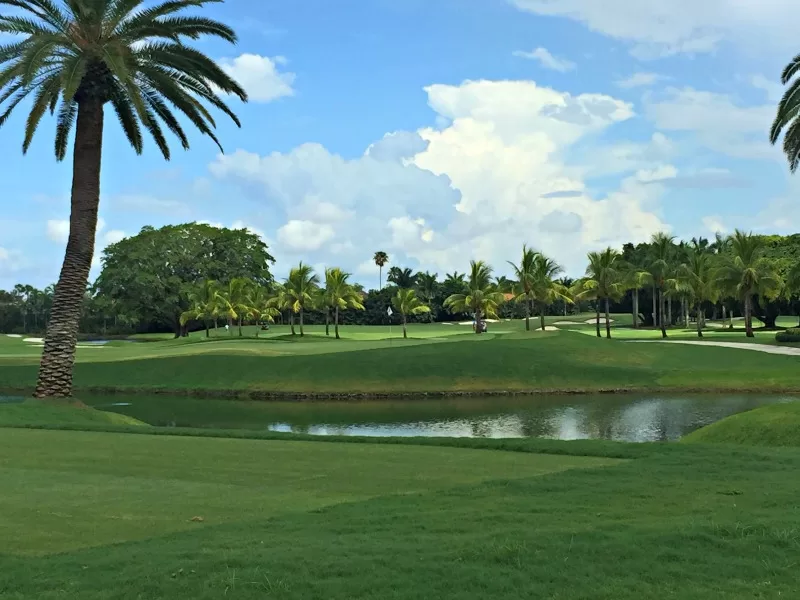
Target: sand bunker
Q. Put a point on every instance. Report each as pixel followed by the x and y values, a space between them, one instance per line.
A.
pixel 34 340
pixel 568 323
pixel 593 321
pixel 13 335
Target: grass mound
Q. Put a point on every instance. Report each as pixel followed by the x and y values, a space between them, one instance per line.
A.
pixel 33 413
pixel 775 425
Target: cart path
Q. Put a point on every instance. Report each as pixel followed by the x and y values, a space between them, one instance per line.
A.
pixel 785 350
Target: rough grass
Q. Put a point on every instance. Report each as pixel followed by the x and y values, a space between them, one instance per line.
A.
pixel 775 425
pixel 99 516
pixel 37 413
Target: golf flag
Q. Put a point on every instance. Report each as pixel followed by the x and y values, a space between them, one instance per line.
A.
pixel 389 311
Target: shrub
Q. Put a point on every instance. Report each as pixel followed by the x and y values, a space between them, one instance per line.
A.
pixel 790 336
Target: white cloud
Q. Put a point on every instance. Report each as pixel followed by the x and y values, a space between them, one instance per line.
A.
pixel 640 80
pixel 260 77
pixel 547 60
pixel 58 230
pixel 714 224
pixel 11 261
pixel 773 89
pixel 495 175
pixel 658 29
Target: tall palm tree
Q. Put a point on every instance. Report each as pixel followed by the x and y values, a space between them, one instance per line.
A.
pixel 427 288
pixel 260 305
pixel 698 276
pixel 402 278
pixel 546 290
pixel 480 297
pixel 787 116
pixel 635 279
pixel 745 272
pixel 282 301
pixel 234 301
pixel 662 247
pixel 380 258
pixel 406 302
pixel 339 294
pixel 524 273
pixel 604 281
pixel 73 58
pixel 203 305
pixel 301 286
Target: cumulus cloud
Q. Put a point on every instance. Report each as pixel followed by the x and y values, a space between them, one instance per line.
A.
pixel 656 29
pixel 547 60
pixel 640 80
pixel 714 224
pixel 260 76
pixel 496 174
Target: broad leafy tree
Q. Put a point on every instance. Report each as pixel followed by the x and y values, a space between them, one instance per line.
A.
pixel 74 58
pixel 406 302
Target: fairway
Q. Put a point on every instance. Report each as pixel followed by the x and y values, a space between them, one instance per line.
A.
pixel 69 490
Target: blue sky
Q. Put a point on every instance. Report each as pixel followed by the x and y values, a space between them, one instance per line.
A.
pixel 446 130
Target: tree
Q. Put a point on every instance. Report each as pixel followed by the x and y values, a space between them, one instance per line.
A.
pixel 339 294
pixel 745 273
pixel 525 274
pixel 150 275
pixel 282 300
pixel 698 275
pixel 76 57
pixel 635 279
pixel 204 305
pixel 546 290
pixel 406 302
pixel 787 116
pixel 662 247
pixel 259 304
pixel 301 287
pixel 428 288
pixel 604 281
pixel 233 301
pixel 402 278
pixel 380 258
pixel 480 297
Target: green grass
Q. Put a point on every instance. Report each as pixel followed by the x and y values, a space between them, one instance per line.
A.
pixel 37 413
pixel 101 515
pixel 775 425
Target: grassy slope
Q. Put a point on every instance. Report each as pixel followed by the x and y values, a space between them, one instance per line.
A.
pixel 776 425
pixel 297 520
pixel 515 361
pixel 34 413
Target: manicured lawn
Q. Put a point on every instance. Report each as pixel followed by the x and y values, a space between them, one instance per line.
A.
pixel 776 425
pixel 103 515
pixel 36 413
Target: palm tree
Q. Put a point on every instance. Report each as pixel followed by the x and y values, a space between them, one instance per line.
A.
pixel 745 272
pixel 339 294
pixel 524 273
pixel 75 57
pixel 301 287
pixel 427 287
pixel 380 258
pixel 546 290
pixel 234 301
pixel 406 302
pixel 204 305
pixel 480 297
pixel 604 280
pixel 282 301
pixel 402 278
pixel 698 276
pixel 635 280
pixel 661 247
pixel 787 115
pixel 260 305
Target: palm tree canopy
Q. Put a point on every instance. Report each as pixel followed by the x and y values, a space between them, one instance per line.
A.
pixel 339 292
pixel 697 275
pixel 788 115
pixel 233 300
pixel 380 258
pixel 524 272
pixel 402 278
pixel 126 52
pixel 745 271
pixel 605 276
pixel 406 302
pixel 481 294
pixel 301 287
pixel 662 248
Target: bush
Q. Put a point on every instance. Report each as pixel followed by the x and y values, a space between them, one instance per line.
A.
pixel 790 336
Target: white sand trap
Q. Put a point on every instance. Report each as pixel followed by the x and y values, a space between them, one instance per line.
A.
pixel 593 321
pixel 13 335
pixel 34 340
pixel 735 345
pixel 549 328
pixel 91 346
pixel 491 320
pixel 465 323
pixel 446 323
pixel 568 323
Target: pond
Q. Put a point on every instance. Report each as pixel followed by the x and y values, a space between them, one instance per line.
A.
pixel 633 418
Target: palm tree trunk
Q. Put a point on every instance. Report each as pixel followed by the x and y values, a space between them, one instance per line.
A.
pixel 327 321
pixel 636 309
pixel 240 326
pixel 336 322
pixel 655 311
pixel 748 317
pixel 302 333
pixel 597 318
pixel 669 311
pixel 478 322
pixel 58 356
pixel 291 321
pixel 608 323
pixel 529 307
pixel 405 334
pixel 216 325
pixel 662 307
pixel 699 322
pixel 208 334
pixel 380 277
pixel 541 316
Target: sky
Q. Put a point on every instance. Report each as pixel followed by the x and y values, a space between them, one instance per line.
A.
pixel 442 131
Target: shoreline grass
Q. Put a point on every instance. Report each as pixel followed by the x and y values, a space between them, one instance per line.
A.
pixel 775 425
